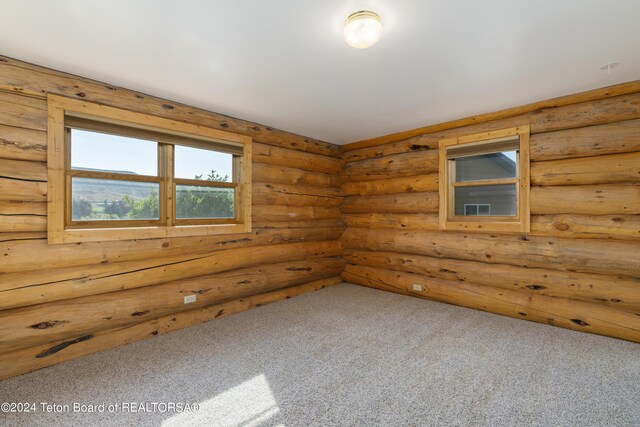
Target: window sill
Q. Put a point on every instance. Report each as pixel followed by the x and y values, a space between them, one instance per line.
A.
pixel 486 226
pixel 79 235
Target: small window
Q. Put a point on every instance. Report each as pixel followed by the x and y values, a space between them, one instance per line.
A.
pixel 484 181
pixel 115 174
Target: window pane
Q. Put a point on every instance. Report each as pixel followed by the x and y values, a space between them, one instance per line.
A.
pixel 111 153
pixel 486 166
pixel 484 200
pixel 104 199
pixel 195 163
pixel 204 202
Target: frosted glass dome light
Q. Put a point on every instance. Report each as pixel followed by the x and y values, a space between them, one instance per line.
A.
pixel 362 29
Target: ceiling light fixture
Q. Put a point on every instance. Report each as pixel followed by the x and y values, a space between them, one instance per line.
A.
pixel 362 29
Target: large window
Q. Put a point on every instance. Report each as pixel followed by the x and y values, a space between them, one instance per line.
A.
pixel 115 174
pixel 484 181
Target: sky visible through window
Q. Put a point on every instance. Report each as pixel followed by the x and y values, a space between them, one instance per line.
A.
pixel 93 150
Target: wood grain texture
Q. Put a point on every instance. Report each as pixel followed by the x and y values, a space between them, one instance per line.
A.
pixel 605 199
pixel 623 227
pixel 613 168
pixel 22 144
pixel 589 256
pixel 589 141
pixel 612 290
pixel 296 192
pixel 576 268
pixel 392 203
pixel 33 358
pixel 31 326
pixel 616 227
pixel 66 283
pixel 408 184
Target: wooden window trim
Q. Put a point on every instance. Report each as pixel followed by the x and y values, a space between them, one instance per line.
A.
pixel 61 229
pixel 475 143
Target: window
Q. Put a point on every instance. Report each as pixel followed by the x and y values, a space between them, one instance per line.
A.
pixel 115 174
pixel 484 181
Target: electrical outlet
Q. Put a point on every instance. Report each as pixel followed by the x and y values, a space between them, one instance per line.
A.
pixel 417 288
pixel 189 299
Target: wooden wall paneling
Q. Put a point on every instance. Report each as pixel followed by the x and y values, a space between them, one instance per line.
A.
pixel 278 156
pixel 408 184
pixel 31 359
pixel 588 141
pixel 617 291
pixel 30 326
pixel 418 221
pixel 617 227
pixel 573 139
pixel 18 256
pixel 22 144
pixel 605 199
pixel 589 256
pixel 623 227
pixel 297 190
pixel 19 290
pixel 391 203
pixel 606 169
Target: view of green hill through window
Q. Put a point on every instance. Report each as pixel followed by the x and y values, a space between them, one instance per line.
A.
pixel 102 199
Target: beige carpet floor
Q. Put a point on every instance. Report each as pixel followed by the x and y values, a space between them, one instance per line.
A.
pixel 348 356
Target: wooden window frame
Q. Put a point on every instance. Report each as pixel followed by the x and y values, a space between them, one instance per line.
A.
pixel 62 229
pixel 519 223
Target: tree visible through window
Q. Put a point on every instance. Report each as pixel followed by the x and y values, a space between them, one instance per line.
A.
pixel 117 174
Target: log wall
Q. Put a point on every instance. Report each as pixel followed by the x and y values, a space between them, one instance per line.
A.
pixel 58 302
pixel 579 268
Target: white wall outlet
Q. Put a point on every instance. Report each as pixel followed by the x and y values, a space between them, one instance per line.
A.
pixel 189 299
pixel 417 288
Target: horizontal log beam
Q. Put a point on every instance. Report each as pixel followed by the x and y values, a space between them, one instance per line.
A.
pixel 408 184
pixel 610 290
pixel 391 203
pixel 604 199
pixel 612 138
pixel 414 163
pixel 18 257
pixel 614 168
pixel 576 315
pixel 275 213
pixel 22 191
pixel 23 111
pixel 619 227
pixel 22 144
pixel 263 172
pixel 590 256
pixel 584 141
pixel 419 221
pixel 61 284
pixel 295 195
pixel 278 156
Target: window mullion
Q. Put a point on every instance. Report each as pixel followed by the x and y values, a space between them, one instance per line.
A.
pixel 166 171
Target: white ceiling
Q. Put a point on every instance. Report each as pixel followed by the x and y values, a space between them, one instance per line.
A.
pixel 284 63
